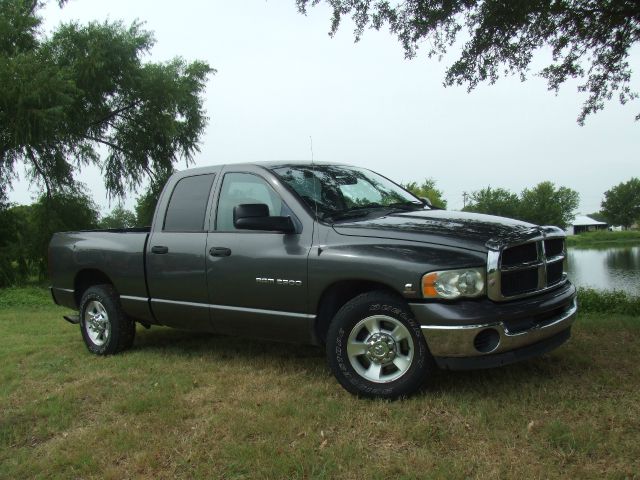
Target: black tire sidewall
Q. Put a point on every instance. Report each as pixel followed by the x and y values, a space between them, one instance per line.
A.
pixel 106 296
pixel 366 305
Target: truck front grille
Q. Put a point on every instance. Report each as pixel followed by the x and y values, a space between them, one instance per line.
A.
pixel 526 269
pixel 523 281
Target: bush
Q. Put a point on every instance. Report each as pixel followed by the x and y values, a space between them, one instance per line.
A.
pixel 593 301
pixel 25 297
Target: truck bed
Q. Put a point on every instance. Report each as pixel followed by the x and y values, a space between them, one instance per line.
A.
pixel 118 254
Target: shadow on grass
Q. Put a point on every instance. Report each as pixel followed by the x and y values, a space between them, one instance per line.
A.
pixel 555 368
pixel 173 340
pixel 546 371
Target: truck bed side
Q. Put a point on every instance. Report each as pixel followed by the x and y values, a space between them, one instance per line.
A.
pixel 80 259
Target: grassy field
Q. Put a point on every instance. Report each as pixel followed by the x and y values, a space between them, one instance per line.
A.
pixel 604 239
pixel 189 405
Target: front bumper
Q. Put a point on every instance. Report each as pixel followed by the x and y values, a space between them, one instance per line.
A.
pixel 483 334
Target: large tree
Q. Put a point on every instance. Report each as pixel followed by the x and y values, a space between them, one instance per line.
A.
pixel 85 96
pixel 545 204
pixel 588 39
pixel 621 204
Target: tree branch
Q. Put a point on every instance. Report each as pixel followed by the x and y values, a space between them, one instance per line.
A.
pixel 32 8
pixel 105 142
pixel 40 171
pixel 115 113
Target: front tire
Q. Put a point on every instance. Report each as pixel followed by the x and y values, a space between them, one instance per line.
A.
pixel 375 348
pixel 105 328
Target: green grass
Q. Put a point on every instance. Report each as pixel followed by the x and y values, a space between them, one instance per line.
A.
pixel 604 239
pixel 187 405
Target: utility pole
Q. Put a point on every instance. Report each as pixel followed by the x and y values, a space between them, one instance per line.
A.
pixel 465 197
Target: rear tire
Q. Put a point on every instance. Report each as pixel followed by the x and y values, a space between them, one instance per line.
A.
pixel 105 328
pixel 376 349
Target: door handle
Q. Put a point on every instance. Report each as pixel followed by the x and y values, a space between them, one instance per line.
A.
pixel 159 249
pixel 219 251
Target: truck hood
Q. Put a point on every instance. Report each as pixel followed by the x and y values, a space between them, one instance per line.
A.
pixel 459 229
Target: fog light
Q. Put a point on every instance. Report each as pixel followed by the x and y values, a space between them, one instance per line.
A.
pixel 487 340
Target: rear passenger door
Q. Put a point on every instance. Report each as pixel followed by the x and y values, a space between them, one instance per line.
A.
pixel 176 254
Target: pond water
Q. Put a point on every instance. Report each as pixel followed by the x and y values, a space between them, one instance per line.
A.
pixel 615 268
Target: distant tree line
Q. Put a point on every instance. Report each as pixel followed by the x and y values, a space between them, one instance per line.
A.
pixel 544 204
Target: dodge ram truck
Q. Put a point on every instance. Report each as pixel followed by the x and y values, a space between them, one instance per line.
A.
pixel 329 255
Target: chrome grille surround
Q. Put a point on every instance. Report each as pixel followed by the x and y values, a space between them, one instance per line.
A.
pixel 495 268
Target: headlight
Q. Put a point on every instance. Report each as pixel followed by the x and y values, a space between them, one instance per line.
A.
pixel 451 284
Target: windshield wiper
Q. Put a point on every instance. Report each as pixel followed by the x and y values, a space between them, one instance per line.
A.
pixel 353 212
pixel 365 210
pixel 406 206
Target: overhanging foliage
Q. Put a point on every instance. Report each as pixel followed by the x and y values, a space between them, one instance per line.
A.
pixel 69 98
pixel 589 39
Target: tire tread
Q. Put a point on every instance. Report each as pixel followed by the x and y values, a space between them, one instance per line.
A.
pixel 346 318
pixel 123 328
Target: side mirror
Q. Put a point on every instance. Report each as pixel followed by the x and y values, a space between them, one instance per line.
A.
pixel 428 203
pixel 255 216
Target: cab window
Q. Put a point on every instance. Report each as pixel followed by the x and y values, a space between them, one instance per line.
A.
pixel 241 188
pixel 188 204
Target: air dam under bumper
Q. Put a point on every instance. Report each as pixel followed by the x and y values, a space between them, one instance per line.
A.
pixel 466 336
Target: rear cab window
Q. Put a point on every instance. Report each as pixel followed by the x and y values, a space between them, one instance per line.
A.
pixel 188 204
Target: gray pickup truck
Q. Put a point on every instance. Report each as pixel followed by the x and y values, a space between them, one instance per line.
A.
pixel 323 254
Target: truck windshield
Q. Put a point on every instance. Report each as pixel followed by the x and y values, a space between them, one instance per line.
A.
pixel 339 192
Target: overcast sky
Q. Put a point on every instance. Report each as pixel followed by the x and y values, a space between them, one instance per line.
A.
pixel 282 79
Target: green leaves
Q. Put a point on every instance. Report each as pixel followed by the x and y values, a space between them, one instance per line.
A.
pixel 85 96
pixel 494 201
pixel 621 204
pixel 589 39
pixel 119 218
pixel 543 204
pixel 25 231
pixel 547 205
pixel 427 190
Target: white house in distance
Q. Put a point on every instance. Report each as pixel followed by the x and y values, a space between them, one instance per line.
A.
pixel 582 223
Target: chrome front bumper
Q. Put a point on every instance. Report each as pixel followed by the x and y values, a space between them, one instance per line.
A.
pixel 460 340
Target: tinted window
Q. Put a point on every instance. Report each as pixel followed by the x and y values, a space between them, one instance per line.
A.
pixel 240 188
pixel 188 204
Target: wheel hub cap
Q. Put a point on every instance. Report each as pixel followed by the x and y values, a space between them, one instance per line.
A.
pixel 381 348
pixel 96 323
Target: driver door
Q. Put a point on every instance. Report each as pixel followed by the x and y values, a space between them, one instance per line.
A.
pixel 257 280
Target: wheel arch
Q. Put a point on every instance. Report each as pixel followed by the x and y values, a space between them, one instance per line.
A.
pixel 336 295
pixel 87 278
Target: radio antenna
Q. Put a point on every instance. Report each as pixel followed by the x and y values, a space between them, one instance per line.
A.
pixel 314 180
